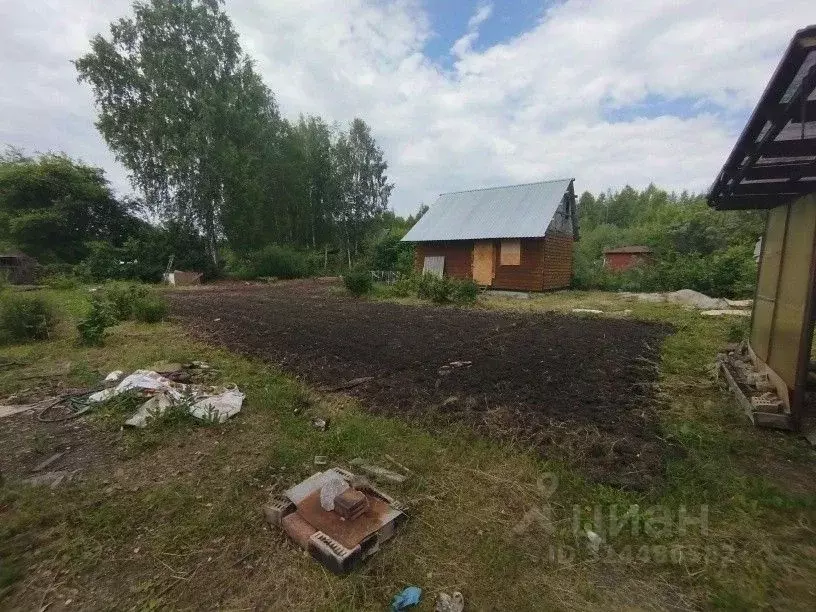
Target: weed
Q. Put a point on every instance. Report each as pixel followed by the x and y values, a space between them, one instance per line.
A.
pixel 122 297
pixel 358 282
pixel 93 327
pixel 25 317
pixel 151 308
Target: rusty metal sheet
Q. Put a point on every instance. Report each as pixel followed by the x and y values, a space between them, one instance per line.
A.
pixel 348 533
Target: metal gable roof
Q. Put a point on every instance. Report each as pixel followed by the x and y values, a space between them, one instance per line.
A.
pixel 515 211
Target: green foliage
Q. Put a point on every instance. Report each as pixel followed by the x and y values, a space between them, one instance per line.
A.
pixel 62 282
pixel 50 206
pixel 25 317
pixel 93 326
pixel 464 292
pixel 390 253
pixel 121 297
pixel 150 308
pixel 271 261
pixel 695 246
pixel 358 282
pixel 439 290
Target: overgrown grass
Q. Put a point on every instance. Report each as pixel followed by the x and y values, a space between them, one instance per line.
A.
pixel 175 509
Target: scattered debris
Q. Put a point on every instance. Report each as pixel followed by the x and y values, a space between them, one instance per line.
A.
pixel 113 378
pixel 331 489
pixel 320 460
pixel 360 520
pixel 398 464
pixel 587 311
pixel 216 404
pixel 595 540
pixel 725 312
pixel 739 303
pixel 767 402
pixel 349 384
pixel 753 388
pixel 377 471
pixel 11 410
pixel 179 278
pixel 48 462
pixel 684 297
pixel 455 602
pixel 449 367
pixel 52 479
pixel 407 598
pixel 320 424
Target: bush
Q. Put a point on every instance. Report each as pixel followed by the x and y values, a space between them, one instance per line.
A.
pixel 92 329
pixel 358 282
pixel 439 290
pixel 122 297
pixel 61 281
pixel 150 309
pixel 273 260
pixel 465 292
pixel 25 317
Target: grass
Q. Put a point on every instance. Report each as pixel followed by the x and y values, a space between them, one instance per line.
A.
pixel 170 516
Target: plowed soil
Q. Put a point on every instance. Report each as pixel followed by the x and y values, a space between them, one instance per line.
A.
pixel 581 390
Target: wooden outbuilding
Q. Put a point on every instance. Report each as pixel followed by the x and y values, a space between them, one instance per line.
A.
pixel 773 167
pixel 518 237
pixel 622 258
pixel 18 268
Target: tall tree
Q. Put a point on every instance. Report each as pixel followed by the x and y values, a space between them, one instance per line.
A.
pixel 182 108
pixel 51 206
pixel 363 185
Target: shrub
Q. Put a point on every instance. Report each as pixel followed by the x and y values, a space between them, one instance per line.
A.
pixel 465 292
pixel 61 281
pixel 25 317
pixel 358 282
pixel 150 308
pixel 272 260
pixel 122 297
pixel 93 327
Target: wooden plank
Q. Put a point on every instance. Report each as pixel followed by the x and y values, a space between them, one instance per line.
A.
pixel 483 262
pixel 760 419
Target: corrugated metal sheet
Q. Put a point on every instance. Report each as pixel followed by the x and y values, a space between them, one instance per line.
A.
pixel 516 211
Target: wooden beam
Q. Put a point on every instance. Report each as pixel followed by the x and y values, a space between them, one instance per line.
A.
pixel 790 148
pixel 779 171
pixel 784 188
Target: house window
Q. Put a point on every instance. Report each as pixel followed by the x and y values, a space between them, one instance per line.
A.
pixel 510 254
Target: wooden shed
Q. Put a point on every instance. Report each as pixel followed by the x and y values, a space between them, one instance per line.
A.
pixel 518 237
pixel 18 268
pixel 622 258
pixel 773 168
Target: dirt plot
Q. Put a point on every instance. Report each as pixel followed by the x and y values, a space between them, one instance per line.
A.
pixel 577 389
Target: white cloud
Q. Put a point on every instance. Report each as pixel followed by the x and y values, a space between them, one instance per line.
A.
pixel 533 107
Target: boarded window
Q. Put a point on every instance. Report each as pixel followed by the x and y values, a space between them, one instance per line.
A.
pixel 510 253
pixel 434 265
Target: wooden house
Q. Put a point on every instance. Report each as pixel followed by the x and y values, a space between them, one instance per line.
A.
pixel 518 237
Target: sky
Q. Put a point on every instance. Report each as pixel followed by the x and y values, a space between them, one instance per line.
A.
pixel 460 94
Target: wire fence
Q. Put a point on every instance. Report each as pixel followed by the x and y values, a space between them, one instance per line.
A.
pixel 387 277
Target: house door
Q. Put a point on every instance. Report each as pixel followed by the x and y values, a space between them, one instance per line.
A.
pixel 483 263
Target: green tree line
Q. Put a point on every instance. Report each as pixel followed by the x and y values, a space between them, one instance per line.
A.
pixel 184 110
pixel 694 246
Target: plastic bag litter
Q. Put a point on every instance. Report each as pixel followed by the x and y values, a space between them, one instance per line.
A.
pixel 218 408
pixel 215 404
pixel 406 598
pixel 145 380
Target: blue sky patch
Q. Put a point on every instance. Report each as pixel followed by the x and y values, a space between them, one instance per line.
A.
pixel 449 22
